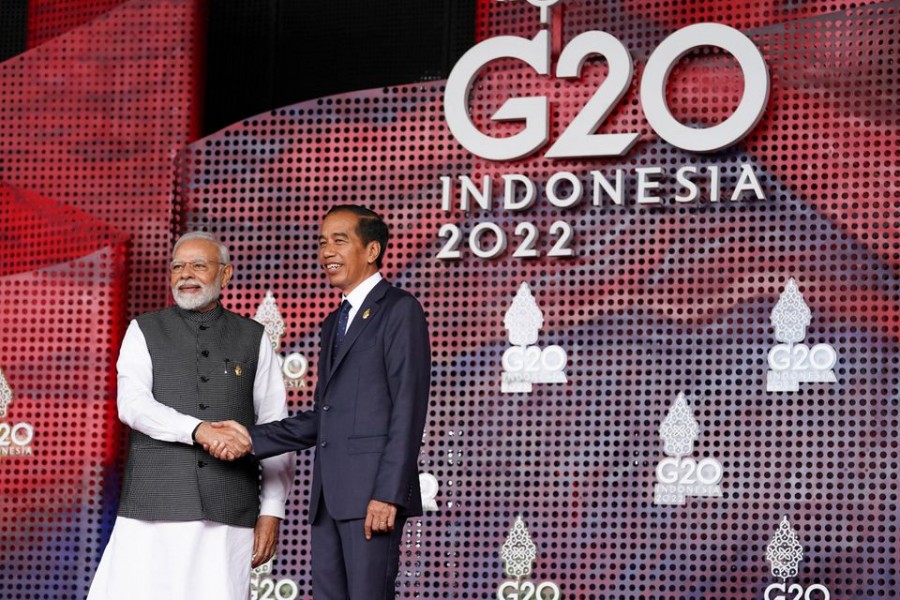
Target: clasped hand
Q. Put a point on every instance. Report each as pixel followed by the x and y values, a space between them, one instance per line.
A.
pixel 226 440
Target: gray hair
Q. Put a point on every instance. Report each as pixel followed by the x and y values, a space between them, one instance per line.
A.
pixel 204 235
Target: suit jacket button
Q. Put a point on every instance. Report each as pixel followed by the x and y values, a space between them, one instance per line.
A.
pixel 204 406
pixel 205 353
pixel 201 463
pixel 324 444
pixel 203 328
pixel 204 379
pixel 326 408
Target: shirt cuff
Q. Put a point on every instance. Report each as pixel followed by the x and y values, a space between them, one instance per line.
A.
pixel 272 508
pixel 190 426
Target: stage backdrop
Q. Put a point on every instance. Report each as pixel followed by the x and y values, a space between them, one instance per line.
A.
pixel 665 366
pixel 90 122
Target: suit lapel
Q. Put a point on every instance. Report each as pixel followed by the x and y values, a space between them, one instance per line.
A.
pixel 329 330
pixel 361 320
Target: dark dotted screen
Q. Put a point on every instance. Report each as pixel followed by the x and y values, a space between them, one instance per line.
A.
pixel 664 312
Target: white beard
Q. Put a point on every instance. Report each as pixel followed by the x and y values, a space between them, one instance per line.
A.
pixel 208 294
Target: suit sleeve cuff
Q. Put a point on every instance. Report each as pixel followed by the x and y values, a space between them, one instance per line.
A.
pixel 394 503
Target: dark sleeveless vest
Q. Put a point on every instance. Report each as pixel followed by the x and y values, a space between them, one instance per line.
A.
pixel 204 365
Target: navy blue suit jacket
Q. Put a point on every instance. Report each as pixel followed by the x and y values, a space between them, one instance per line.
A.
pixel 369 410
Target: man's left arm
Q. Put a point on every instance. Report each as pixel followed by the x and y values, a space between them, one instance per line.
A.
pixel 408 364
pixel 270 404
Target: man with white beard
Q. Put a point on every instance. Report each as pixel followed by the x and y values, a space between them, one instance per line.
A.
pixel 190 525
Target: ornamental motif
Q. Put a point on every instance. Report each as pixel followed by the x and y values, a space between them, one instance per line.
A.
pixel 518 551
pixel 784 551
pixel 791 316
pixel 270 317
pixel 679 430
pixel 6 395
pixel 524 319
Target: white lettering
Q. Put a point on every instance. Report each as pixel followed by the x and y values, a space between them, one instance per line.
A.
pixel 614 193
pixel 714 191
pixel 747 182
pixel 573 198
pixel 509 193
pixel 681 176
pixel 645 184
pixel 565 190
pixel 446 188
pixel 482 197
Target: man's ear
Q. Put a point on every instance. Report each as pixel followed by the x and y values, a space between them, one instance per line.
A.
pixel 372 252
pixel 227 272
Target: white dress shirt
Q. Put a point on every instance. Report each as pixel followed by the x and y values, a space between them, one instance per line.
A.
pixel 358 295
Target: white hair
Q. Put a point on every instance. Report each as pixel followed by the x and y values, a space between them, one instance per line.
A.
pixel 204 235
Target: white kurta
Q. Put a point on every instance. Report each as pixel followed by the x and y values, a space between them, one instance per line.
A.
pixel 152 560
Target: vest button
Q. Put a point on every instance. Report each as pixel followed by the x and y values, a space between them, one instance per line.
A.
pixel 205 353
pixel 204 406
pixel 201 463
pixel 204 379
pixel 203 328
pixel 324 444
pixel 326 408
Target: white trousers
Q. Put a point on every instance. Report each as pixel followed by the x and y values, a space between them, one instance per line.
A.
pixel 190 560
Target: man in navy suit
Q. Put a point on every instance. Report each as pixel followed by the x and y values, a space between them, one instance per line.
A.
pixel 367 421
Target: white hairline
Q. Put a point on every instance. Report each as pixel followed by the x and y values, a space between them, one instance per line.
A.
pixel 203 235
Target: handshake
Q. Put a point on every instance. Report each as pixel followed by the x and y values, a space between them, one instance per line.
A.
pixel 225 440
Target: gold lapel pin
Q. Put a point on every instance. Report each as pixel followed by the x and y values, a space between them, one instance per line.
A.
pixel 366 314
pixel 238 370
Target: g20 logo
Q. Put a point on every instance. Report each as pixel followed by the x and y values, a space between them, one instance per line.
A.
pixel 687 471
pixel 526 590
pixel 800 357
pixel 269 589
pixel 579 138
pixel 20 435
pixel 532 359
pixel 781 591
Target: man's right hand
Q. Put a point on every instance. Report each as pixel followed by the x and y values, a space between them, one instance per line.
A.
pixel 226 440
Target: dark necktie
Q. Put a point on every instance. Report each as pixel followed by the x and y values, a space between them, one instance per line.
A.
pixel 343 317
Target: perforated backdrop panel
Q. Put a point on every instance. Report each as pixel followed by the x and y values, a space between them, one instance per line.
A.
pixel 62 306
pixel 657 300
pixel 94 118
pixel 90 122
pixel 48 19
